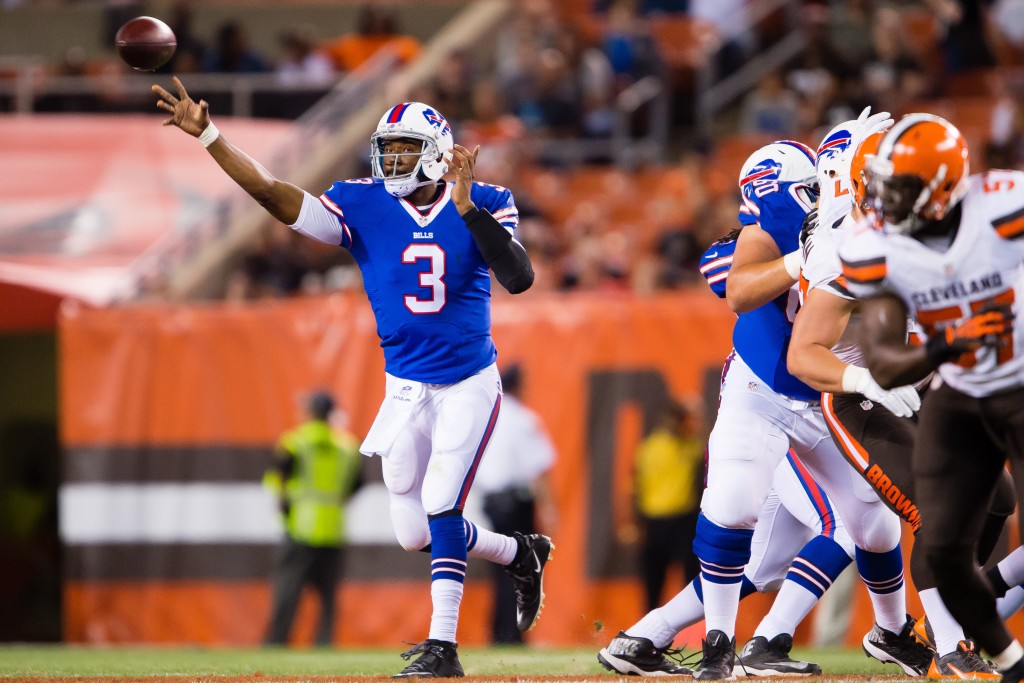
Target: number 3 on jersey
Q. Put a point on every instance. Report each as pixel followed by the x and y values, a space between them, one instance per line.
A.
pixel 432 279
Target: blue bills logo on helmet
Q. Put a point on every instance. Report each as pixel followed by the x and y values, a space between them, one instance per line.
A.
pixel 437 121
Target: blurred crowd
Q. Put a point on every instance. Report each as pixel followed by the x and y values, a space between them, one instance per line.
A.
pixel 555 80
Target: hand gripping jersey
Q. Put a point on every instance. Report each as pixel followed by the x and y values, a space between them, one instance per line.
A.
pixel 427 283
pixel 761 337
pixel 984 263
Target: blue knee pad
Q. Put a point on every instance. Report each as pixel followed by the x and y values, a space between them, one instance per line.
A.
pixel 723 553
pixel 448 546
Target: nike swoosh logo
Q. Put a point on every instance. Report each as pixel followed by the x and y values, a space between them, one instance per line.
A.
pixel 713 255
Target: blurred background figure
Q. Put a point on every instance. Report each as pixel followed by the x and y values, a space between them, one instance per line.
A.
pixel 233 53
pixel 667 483
pixel 316 472
pixel 375 29
pixel 513 479
pixel 301 62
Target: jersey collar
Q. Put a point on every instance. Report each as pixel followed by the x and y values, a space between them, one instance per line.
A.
pixel 427 216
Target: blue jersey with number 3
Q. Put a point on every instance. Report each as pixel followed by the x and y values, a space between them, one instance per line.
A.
pixel 428 285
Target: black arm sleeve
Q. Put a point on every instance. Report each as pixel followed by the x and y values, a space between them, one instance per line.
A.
pixel 504 256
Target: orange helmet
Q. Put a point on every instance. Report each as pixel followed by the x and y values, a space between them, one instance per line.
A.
pixel 858 166
pixel 918 173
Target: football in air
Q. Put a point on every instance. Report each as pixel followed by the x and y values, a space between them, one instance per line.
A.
pixel 145 43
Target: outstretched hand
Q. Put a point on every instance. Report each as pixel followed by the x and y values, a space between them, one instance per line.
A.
pixel 191 117
pixel 464 161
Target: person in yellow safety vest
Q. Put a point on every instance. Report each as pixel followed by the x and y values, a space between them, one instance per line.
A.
pixel 668 480
pixel 316 471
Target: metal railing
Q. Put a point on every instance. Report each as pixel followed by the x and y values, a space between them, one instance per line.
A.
pixel 717 91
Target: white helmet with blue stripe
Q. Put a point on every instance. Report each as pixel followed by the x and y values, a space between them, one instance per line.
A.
pixel 783 161
pixel 833 161
pixel 413 121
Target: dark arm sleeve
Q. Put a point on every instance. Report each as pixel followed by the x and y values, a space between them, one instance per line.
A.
pixel 504 256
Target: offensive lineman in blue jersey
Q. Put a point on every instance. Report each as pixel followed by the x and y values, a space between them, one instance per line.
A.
pixel 764 411
pixel 424 247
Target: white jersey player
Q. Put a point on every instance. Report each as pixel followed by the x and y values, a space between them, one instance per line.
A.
pixel 947 250
pixel 876 442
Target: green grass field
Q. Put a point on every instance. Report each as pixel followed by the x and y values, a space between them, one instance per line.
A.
pixel 27 661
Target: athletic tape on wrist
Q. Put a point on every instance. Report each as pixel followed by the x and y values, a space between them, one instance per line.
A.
pixel 209 134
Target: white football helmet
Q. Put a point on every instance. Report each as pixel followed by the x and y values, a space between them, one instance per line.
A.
pixel 783 161
pixel 832 158
pixel 416 121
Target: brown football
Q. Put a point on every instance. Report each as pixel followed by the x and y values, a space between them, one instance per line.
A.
pixel 145 43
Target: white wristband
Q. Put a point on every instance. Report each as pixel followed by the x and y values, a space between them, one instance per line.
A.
pixel 209 134
pixel 792 263
pixel 852 378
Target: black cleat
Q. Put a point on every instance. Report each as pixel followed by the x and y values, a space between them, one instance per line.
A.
pixel 719 658
pixel 437 659
pixel 903 648
pixel 763 657
pixel 527 573
pixel 635 656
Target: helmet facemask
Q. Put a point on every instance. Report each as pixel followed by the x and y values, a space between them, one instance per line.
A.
pixel 919 174
pixel 403 184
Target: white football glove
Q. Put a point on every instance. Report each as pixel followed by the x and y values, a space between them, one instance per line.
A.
pixel 902 401
pixel 868 124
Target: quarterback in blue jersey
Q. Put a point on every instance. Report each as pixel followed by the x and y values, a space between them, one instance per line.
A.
pixel 424 246
pixel 764 412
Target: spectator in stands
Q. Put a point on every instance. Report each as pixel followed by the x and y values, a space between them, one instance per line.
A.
pixel 629 45
pixel 232 53
pixel 549 103
pixel 499 134
pixel 817 72
pixel 376 28
pixel 849 29
pixel 892 76
pixel 1008 24
pixel 453 86
pixel 535 26
pixel 191 51
pixel 302 63
pixel 592 70
pixel 646 7
pixel 771 108
pixel 1005 145
pixel 964 35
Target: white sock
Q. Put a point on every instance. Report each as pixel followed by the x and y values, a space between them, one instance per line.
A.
pixel 446 596
pixel 791 605
pixel 890 608
pixel 1010 604
pixel 497 548
pixel 948 633
pixel 721 603
pixel 684 609
pixel 1008 657
pixel 653 627
pixel 1011 567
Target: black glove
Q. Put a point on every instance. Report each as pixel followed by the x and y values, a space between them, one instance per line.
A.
pixel 807 228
